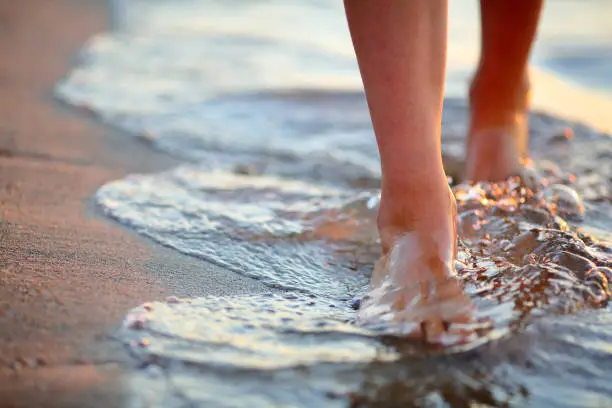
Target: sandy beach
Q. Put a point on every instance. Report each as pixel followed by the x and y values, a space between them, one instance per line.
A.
pixel 67 276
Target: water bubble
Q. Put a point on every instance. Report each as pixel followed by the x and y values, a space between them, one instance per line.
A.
pixel 468 224
pixel 531 179
pixel 565 200
pixel 154 371
pixel 549 171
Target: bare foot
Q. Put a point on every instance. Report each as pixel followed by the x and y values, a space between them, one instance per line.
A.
pixel 498 136
pixel 493 154
pixel 414 290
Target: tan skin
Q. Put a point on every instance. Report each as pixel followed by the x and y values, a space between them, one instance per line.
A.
pixel 401 51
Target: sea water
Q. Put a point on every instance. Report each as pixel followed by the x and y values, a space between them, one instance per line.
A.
pixel 263 103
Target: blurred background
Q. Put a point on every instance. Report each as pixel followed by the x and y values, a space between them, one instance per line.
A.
pixel 305 44
pixel 280 77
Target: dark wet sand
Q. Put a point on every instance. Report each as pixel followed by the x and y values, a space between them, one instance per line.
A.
pixel 67 275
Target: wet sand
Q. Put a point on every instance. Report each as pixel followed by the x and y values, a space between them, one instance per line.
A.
pixel 68 276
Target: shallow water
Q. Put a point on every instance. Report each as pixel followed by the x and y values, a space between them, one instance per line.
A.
pixel 280 184
pixel 531 273
pixel 541 283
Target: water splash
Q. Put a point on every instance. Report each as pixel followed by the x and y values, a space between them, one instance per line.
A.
pixel 518 258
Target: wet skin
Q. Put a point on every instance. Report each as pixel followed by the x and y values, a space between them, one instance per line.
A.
pixel 401 51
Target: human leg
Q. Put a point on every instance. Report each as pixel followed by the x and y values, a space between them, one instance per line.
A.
pixel 401 50
pixel 499 94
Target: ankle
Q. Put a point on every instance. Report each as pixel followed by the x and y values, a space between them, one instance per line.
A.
pixel 498 132
pixel 494 155
pixel 496 100
pixel 414 185
pixel 427 208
